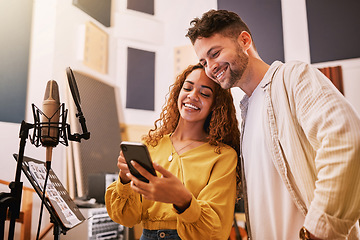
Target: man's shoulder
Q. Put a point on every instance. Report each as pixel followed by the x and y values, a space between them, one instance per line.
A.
pixel 293 69
pixel 294 64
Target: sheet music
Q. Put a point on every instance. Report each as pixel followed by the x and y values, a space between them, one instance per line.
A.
pixel 38 172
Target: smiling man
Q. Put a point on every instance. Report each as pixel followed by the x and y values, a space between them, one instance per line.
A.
pixel 300 138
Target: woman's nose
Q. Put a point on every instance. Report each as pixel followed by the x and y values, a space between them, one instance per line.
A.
pixel 193 95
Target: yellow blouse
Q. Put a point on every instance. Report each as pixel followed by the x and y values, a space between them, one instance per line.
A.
pixel 210 177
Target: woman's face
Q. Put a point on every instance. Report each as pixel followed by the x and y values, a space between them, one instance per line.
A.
pixel 196 97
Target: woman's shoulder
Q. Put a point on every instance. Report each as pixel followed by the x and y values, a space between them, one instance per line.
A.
pixel 220 150
pixel 227 150
pixel 223 154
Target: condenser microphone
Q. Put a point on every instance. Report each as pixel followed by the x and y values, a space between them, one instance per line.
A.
pixel 50 118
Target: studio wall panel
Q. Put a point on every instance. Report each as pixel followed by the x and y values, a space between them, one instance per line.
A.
pixel 140 90
pixel 99 153
pixel 145 6
pixel 183 57
pixel 99 10
pixel 15 29
pixel 96 48
pixel 264 18
pixel 334 29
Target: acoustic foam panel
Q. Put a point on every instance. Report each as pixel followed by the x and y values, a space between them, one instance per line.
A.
pixel 96 48
pixel 140 90
pixel 265 22
pixel 145 6
pixel 183 57
pixel 98 154
pixel 333 29
pixel 99 10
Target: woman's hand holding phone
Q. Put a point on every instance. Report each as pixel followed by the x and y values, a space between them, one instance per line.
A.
pixel 167 188
pixel 141 172
pixel 138 152
pixel 123 167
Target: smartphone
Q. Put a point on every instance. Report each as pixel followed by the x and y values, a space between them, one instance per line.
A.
pixel 138 152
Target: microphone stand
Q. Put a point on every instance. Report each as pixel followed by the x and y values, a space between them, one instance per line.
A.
pixel 10 202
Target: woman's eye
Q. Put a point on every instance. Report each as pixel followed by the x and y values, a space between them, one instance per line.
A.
pixel 187 89
pixel 205 94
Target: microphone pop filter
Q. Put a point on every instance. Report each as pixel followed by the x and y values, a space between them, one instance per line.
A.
pixel 76 96
pixel 73 88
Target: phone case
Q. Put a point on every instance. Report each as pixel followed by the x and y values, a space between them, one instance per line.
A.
pixel 139 153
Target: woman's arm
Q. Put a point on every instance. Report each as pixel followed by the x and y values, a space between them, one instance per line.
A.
pixel 210 214
pixel 122 203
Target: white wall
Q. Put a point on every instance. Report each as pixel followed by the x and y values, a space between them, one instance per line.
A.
pixel 57 41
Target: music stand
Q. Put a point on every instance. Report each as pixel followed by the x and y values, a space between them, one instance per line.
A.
pixel 10 202
pixel 64 213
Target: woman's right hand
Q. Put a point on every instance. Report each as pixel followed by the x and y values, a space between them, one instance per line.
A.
pixel 124 169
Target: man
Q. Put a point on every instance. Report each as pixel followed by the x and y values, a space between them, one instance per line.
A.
pixel 300 137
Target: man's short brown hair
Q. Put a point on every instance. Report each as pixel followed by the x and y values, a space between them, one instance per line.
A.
pixel 224 22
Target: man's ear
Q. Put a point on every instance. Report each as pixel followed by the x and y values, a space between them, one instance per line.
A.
pixel 245 40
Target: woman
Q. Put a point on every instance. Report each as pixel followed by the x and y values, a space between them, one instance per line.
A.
pixel 192 147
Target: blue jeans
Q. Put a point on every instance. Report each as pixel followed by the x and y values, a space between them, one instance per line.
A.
pixel 168 234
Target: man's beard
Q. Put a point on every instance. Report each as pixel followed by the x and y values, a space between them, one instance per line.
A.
pixel 240 64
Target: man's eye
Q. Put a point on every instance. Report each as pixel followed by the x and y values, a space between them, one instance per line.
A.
pixel 215 54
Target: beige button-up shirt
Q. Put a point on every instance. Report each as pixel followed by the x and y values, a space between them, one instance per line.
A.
pixel 314 139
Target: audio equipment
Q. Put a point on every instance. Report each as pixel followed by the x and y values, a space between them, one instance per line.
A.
pixel 97 184
pixel 98 226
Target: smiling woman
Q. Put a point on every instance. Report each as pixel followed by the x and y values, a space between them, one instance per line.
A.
pixel 194 197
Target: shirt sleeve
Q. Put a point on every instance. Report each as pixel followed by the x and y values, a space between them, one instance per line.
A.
pixel 333 129
pixel 210 215
pixel 122 204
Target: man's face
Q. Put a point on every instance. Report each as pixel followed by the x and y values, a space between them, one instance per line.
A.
pixel 223 59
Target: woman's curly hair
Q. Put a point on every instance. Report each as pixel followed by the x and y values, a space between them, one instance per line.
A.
pixel 221 124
